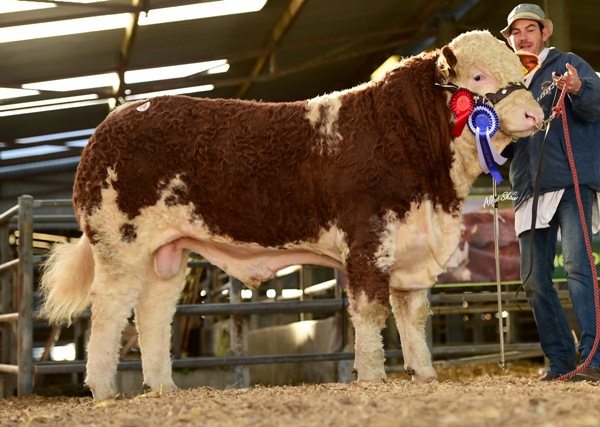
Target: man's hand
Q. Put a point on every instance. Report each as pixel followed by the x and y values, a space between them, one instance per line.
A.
pixel 574 81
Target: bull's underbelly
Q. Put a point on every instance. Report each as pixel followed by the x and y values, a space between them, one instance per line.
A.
pixel 253 264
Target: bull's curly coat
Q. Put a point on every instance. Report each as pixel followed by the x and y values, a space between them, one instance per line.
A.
pixel 366 180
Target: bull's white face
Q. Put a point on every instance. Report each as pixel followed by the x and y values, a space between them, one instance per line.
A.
pixel 485 65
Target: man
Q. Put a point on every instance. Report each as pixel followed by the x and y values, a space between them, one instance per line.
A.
pixel 528 29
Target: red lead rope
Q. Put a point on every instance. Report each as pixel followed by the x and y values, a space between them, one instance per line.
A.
pixel 558 110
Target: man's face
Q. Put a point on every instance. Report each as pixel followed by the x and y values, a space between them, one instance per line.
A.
pixel 526 35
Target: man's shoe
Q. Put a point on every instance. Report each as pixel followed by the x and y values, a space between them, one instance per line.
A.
pixel 548 377
pixel 588 374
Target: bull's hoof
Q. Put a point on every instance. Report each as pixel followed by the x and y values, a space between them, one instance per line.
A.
pixel 426 375
pixel 101 393
pixel 162 388
pixel 371 376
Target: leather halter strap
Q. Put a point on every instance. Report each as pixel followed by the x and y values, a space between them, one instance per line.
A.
pixel 502 93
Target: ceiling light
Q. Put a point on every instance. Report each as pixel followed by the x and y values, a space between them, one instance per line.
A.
pixel 12 6
pixel 63 28
pixel 52 101
pixel 218 69
pixel 53 107
pixel 387 65
pixel 121 20
pixel 180 91
pixel 171 72
pixel 32 151
pixel 76 83
pixel 200 10
pixel 55 136
pixel 131 77
pixel 9 93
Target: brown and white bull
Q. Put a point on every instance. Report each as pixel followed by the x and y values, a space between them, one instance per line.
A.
pixel 367 180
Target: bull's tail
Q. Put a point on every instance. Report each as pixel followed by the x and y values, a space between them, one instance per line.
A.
pixel 66 281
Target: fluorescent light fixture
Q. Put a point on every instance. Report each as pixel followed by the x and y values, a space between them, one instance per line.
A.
pixel 131 77
pixel 199 11
pixel 54 101
pixel 63 28
pixel 9 93
pixel 79 143
pixel 32 151
pixel 218 69
pixel 76 83
pixel 387 65
pixel 121 20
pixel 180 91
pixel 55 136
pixel 171 72
pixel 53 107
pixel 12 6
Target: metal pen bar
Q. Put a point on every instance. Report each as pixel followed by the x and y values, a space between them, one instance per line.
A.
pixel 25 297
pixel 205 362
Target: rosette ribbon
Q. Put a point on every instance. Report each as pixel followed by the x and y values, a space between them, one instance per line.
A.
pixel 462 103
pixel 483 122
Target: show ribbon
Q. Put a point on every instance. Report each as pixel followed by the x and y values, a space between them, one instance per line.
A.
pixel 483 122
pixel 462 103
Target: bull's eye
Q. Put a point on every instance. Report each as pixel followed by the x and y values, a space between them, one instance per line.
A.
pixel 478 77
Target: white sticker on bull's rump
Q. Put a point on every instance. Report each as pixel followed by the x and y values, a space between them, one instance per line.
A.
pixel 144 106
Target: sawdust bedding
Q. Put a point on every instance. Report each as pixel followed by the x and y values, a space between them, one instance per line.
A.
pixel 480 395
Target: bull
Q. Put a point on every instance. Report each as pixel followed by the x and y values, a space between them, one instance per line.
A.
pixel 368 180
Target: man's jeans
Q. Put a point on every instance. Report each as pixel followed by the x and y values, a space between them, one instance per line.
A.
pixel 555 336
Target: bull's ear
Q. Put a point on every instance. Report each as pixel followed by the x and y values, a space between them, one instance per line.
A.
pixel 530 61
pixel 447 62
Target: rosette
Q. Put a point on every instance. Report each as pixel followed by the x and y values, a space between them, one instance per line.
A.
pixel 462 103
pixel 483 122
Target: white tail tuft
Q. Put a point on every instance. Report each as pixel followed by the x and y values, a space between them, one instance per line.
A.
pixel 66 281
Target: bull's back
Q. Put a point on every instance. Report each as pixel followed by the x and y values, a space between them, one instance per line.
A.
pixel 248 168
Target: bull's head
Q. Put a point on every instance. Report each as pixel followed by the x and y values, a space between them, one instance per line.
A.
pixel 487 70
pixel 487 67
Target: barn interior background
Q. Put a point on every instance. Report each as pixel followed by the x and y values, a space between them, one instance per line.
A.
pixel 66 64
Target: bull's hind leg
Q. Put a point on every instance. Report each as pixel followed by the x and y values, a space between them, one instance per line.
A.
pixel 154 314
pixel 411 309
pixel 368 318
pixel 114 292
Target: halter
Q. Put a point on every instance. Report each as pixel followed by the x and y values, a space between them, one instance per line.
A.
pixel 491 98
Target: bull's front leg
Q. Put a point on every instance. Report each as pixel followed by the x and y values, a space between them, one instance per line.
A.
pixel 411 309
pixel 368 318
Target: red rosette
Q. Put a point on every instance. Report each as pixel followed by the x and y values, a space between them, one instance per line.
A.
pixel 462 104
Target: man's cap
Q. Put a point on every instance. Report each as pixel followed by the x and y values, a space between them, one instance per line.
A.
pixel 527 11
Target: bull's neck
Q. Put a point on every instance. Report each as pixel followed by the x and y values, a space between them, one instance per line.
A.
pixel 465 167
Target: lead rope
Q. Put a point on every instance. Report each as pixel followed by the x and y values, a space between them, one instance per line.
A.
pixel 560 110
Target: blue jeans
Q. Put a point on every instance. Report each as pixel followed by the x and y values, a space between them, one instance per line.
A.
pixel 555 336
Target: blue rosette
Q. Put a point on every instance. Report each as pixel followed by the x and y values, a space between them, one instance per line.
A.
pixel 483 122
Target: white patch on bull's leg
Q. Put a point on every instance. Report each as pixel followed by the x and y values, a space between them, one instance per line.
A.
pixel 114 293
pixel 385 257
pixel 328 124
pixel 153 315
pixel 368 319
pixel 411 309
